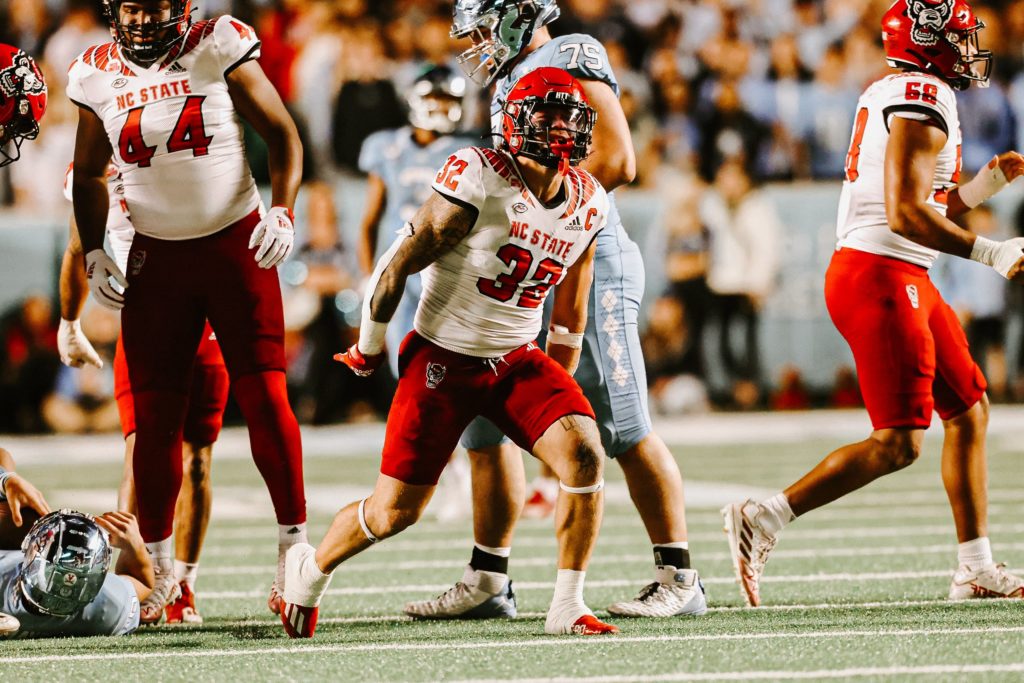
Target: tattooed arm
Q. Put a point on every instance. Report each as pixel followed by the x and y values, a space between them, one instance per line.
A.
pixel 438 226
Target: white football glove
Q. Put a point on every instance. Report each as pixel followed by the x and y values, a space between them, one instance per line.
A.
pixel 99 268
pixel 74 347
pixel 276 236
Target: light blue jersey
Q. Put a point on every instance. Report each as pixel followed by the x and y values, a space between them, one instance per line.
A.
pixel 114 612
pixel 611 370
pixel 408 170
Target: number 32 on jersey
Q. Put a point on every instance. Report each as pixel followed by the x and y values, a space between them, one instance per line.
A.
pixel 189 133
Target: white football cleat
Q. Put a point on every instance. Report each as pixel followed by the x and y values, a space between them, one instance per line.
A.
pixel 164 593
pixel 480 595
pixel 9 625
pixel 675 592
pixel 989 582
pixel 749 545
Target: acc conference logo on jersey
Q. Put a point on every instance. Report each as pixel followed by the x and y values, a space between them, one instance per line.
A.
pixel 930 18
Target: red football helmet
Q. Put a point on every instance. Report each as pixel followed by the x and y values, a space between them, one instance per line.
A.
pixel 939 37
pixel 547 118
pixel 145 43
pixel 22 101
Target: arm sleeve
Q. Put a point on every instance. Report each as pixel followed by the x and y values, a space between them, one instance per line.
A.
pixel 919 97
pixel 461 179
pixel 585 58
pixel 236 43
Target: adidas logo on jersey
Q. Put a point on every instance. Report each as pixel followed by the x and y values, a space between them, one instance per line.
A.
pixel 576 225
pixel 175 68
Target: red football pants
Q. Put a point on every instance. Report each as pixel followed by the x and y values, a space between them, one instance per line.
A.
pixel 174 288
pixel 440 392
pixel 911 352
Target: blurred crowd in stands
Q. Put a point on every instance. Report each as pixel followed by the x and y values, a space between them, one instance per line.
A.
pixel 722 96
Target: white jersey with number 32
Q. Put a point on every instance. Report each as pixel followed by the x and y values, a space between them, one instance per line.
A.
pixel 175 134
pixel 485 297
pixel 862 221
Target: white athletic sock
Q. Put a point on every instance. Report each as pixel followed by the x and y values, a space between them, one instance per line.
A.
pixel 776 514
pixel 162 553
pixel 569 591
pixel 290 534
pixel 312 583
pixel 187 572
pixel 976 554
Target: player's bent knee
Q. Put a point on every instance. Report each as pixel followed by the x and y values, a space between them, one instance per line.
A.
pixel 898 452
pixel 587 468
pixel 379 523
pixel 197 465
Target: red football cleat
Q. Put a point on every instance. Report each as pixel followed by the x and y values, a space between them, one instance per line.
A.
pixel 299 622
pixel 183 610
pixel 589 625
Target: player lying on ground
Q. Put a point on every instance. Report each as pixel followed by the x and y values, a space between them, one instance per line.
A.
pixel 57 584
pixel 511 38
pixel 165 100
pixel 894 218
pixel 207 400
pixel 501 229
pixel 22 101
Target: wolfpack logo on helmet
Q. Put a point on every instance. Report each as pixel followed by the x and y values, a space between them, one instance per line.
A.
pixel 930 18
pixel 22 72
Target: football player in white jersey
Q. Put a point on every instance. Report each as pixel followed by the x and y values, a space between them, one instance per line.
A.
pixel 511 38
pixel 164 100
pixel 208 397
pixel 501 229
pixel 901 192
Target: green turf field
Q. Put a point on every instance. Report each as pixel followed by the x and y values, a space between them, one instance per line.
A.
pixel 854 591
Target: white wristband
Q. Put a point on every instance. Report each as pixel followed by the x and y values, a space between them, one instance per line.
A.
pixel 559 334
pixel 985 184
pixel 4 476
pixel 371 337
pixel 1001 256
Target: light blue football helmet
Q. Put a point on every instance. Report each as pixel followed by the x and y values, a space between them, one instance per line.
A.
pixel 500 29
pixel 66 560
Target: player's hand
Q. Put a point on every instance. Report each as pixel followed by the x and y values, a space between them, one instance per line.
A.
pixel 74 347
pixel 358 363
pixel 1011 164
pixel 275 236
pixel 123 529
pixel 99 268
pixel 22 494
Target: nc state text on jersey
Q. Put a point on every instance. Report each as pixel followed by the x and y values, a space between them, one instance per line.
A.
pixel 552 245
pixel 153 93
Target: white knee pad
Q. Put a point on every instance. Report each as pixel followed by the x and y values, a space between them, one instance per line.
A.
pixel 365 527
pixel 582 489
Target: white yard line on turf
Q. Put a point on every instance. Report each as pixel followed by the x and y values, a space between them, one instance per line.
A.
pixel 610 560
pixel 860 672
pixel 529 642
pixel 606 583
